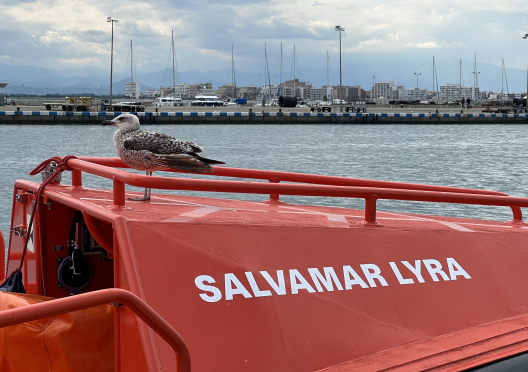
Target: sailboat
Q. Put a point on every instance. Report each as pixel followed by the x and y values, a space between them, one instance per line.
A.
pixel 171 100
pixel 132 90
pixel 233 101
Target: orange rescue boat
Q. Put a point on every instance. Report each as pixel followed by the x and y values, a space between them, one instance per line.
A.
pixel 210 284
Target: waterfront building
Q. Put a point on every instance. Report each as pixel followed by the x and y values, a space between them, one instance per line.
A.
pixel 456 91
pixel 318 94
pixel 302 89
pixel 341 92
pixel 164 92
pixel 413 94
pixel 356 93
pixel 3 100
pixel 250 92
pixel 267 89
pixel 151 93
pixel 183 90
pixel 226 91
pixel 385 89
pixel 133 89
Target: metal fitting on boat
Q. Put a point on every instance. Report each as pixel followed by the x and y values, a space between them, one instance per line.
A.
pixel 48 172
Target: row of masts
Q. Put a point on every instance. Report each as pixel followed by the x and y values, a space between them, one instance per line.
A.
pixel 175 75
pixel 475 78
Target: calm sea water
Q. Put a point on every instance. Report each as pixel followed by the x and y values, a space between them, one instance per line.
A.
pixel 490 157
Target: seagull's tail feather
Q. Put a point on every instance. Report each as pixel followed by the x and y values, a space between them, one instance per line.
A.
pixel 183 162
pixel 208 161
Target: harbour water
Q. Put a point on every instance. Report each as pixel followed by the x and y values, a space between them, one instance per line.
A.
pixel 490 157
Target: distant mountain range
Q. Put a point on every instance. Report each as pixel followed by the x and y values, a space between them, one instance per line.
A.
pixel 90 79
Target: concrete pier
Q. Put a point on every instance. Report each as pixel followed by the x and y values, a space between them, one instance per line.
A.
pixel 268 115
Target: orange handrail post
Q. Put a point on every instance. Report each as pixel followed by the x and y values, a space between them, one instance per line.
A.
pixel 76 178
pixel 370 209
pixel 119 193
pixel 105 296
pixel 274 198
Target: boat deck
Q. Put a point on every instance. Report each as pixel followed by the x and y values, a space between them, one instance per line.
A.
pixel 203 210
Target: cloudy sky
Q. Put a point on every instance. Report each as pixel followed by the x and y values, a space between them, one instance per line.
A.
pixel 61 34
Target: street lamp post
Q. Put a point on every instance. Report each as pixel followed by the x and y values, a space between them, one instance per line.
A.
pixel 109 19
pixel 417 75
pixel 339 28
pixel 22 93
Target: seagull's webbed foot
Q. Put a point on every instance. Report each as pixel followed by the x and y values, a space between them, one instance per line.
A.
pixel 146 196
pixel 140 199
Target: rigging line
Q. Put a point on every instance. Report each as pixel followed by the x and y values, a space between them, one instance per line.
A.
pixel 166 67
pixel 262 67
pixel 175 61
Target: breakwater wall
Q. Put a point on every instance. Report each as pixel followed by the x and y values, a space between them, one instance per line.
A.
pixel 261 117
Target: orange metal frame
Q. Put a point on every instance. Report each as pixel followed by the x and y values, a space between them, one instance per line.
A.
pixel 315 185
pixel 102 297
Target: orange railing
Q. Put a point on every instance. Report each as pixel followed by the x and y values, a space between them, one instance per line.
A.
pixel 105 296
pixel 315 185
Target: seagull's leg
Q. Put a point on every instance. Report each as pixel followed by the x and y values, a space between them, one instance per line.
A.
pixel 146 195
pixel 149 173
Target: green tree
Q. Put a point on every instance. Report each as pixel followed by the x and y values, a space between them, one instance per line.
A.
pixel 325 98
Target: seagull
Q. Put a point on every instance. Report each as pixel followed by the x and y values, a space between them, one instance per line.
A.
pixel 151 151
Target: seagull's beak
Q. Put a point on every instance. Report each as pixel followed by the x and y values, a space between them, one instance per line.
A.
pixel 108 122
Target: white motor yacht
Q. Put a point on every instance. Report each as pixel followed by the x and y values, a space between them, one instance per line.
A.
pixel 167 101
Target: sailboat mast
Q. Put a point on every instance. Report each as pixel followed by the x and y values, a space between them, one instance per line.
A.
pixel 502 80
pixel 433 74
pixel 173 67
pixel 460 83
pixel 131 68
pixel 281 71
pixel 327 69
pixel 233 79
pixel 294 93
pixel 267 70
pixel 475 78
pixel 327 74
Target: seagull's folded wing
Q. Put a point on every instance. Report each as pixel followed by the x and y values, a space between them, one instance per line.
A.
pixel 183 162
pixel 158 143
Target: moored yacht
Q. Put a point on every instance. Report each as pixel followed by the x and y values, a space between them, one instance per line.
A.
pixel 206 97
pixel 167 101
